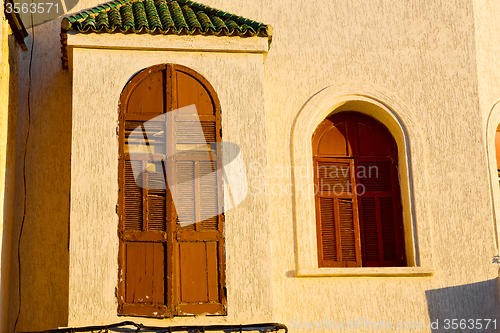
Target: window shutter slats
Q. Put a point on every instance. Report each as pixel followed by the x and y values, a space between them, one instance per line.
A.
pixel 132 198
pixel 328 229
pixel 156 212
pixel 375 176
pixel 370 229
pixel 209 195
pixel 334 178
pixel 187 132
pixel 388 229
pixel 185 192
pixel 347 236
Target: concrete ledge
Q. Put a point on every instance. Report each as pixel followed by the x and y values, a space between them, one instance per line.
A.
pixel 366 271
pixel 198 43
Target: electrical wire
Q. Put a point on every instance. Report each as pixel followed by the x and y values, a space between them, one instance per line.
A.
pixel 24 168
pixel 264 327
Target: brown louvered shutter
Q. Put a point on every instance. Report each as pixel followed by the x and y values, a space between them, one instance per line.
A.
pixel 143 199
pixel 198 241
pixel 382 235
pixel 358 207
pixel 338 232
pixel 166 269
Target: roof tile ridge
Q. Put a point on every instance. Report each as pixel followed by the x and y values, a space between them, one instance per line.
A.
pixel 78 17
pixel 222 14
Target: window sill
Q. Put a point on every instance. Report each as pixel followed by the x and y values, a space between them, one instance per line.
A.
pixel 366 271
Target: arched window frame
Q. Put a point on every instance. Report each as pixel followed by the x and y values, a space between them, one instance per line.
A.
pixel 327 102
pixel 493 125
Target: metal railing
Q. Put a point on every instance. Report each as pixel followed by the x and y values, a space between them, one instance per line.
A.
pixel 126 327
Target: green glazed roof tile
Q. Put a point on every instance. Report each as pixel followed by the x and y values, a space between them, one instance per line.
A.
pixel 127 18
pixel 139 16
pixel 163 16
pixel 152 15
pixel 114 18
pixel 102 20
pixel 204 21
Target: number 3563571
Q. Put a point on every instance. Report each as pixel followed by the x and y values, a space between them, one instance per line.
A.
pixel 32 8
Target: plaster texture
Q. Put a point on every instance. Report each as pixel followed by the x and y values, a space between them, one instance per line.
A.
pixel 238 80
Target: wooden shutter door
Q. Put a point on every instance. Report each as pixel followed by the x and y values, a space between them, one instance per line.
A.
pixel 382 234
pixel 198 236
pixel 171 259
pixel 362 226
pixel 336 205
pixel 143 199
pixel 338 232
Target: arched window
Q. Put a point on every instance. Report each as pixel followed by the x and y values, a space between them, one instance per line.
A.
pixel 171 256
pixel 358 200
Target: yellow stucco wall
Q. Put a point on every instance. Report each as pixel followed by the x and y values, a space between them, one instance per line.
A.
pixel 422 54
pixel 93 221
pixel 44 240
pixel 9 67
pixel 435 59
pixel 4 111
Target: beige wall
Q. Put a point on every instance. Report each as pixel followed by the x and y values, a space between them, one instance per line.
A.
pixel 422 54
pixel 44 241
pixel 238 80
pixel 487 49
pixel 9 69
pixel 431 63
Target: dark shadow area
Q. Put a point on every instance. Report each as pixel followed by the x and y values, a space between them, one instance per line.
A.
pixel 10 173
pixel 39 260
pixel 472 305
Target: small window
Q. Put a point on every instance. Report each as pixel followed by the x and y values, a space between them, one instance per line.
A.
pixel 358 200
pixel 171 255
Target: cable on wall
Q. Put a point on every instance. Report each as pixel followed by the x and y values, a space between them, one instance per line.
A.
pixel 24 168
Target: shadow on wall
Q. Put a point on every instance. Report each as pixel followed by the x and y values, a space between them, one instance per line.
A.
pixel 39 263
pixel 478 301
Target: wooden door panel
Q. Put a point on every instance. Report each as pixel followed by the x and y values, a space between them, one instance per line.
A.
pixel 193 272
pixel 190 91
pixel 144 272
pixel 147 97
